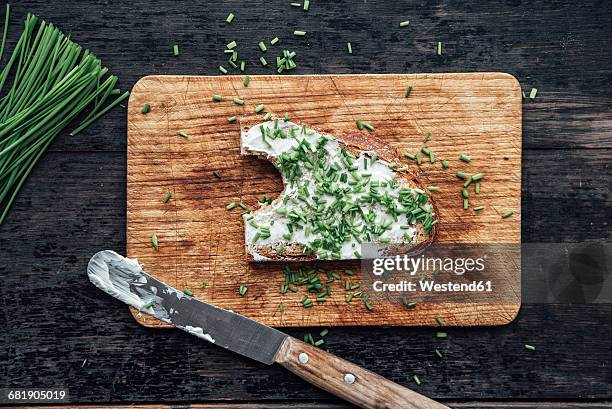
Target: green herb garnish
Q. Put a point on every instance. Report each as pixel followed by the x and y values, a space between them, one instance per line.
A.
pixel 145 108
pixel 229 18
pixel 167 197
pixel 154 241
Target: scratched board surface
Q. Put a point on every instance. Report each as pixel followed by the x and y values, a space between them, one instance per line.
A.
pixel 201 244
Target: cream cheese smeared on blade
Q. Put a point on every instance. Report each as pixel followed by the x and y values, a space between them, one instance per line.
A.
pixel 124 279
pixel 333 199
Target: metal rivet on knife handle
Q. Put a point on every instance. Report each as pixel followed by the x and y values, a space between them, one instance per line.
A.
pixel 303 358
pixel 349 378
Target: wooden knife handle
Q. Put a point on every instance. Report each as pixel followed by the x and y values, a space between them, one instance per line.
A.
pixel 347 380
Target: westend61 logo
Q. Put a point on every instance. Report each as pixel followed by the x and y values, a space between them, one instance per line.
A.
pixel 412 265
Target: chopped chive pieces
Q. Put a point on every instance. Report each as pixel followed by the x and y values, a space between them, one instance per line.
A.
pixel 477 188
pixel 465 158
pixel 231 119
pixel 263 61
pixel 441 334
pixel 530 347
pixel 242 289
pixel 466 204
pixel 217 97
pixel 259 108
pixel 155 241
pixel 349 48
pixel 167 197
pixel 229 18
pixel 408 91
pixel 324 332
pixel 286 116
pixel 439 48
pixel 349 273
pixel 433 188
pixel 439 321
pixel 427 137
pixel 404 23
pixel 238 101
pixel 281 307
pixel 533 93
pixel 267 116
pixel 439 354
pixel 183 134
pixel 231 45
pixel 359 124
pixel 149 304
pixel 416 380
pixel 145 108
pixel 464 193
pixel 461 175
pixel 188 292
pixel 262 47
pixel 319 342
pixel 296 4
pixel 230 206
pixel 242 65
pixel 367 305
pixel 444 164
pixel 306 5
pixel 368 126
pixel 477 176
pixel 478 208
pixel 274 41
pixel 175 50
pixel 299 33
pixel 222 69
pixel 216 174
pixel 507 214
pixel 246 81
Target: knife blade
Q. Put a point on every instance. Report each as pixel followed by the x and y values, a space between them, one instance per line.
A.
pixel 124 279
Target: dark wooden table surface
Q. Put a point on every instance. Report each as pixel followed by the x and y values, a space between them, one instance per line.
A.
pixel 57 330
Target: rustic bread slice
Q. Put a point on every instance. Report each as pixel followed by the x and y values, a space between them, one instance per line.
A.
pixel 333 184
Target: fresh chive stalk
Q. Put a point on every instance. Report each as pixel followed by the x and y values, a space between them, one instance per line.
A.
pixel 439 48
pixel 52 82
pixel 306 5
pixel 274 41
pixel 507 214
pixel 188 292
pixel 533 93
pixel 259 108
pixel 175 50
pixel 349 47
pixel 183 134
pixel 167 197
pixel 222 69
pixel 230 206
pixel 238 101
pixel 299 33
pixel 231 119
pixel 408 91
pixel 217 97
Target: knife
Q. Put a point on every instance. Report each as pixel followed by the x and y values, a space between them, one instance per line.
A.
pixel 124 279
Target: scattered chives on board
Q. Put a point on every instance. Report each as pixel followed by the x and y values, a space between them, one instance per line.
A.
pixel 230 206
pixel 530 347
pixel 533 93
pixel 306 5
pixel 404 23
pixel 274 41
pixel 145 108
pixel 231 119
pixel 154 241
pixel 246 81
pixel 267 116
pixel 408 91
pixel 439 354
pixel 167 197
pixel 217 97
pixel 242 290
pixel 444 164
pixel 507 214
pixel 296 4
pixel 359 124
pixel 478 208
pixel 349 48
pixel 231 45
pixel 259 108
pixel 461 175
pixel 263 61
pixel 441 335
pixel 242 65
pixel 368 126
pixel 229 18
pixel 175 50
pixel 416 379
pixel 262 47
pixel 465 158
pixel 439 48
pixel 222 69
pixel 238 101
pixel 188 292
pixel 183 134
pixel 299 33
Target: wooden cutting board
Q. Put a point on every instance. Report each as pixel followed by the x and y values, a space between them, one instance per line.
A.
pixel 200 241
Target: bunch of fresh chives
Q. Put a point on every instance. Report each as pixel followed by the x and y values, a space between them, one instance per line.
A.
pixel 52 81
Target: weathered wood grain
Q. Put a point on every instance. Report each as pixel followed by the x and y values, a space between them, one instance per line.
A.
pixel 201 241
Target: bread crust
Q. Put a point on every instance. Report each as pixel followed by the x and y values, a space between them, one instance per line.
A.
pixel 356 143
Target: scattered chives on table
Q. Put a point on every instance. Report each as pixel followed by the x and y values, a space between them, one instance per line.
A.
pixel 231 45
pixel 48 91
pixel 439 48
pixel 349 48
pixel 145 109
pixel 404 23
pixel 229 18
pixel 263 61
pixel 299 33
pixel 222 69
pixel 274 41
pixel 246 81
pixel 533 93
pixel 175 50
